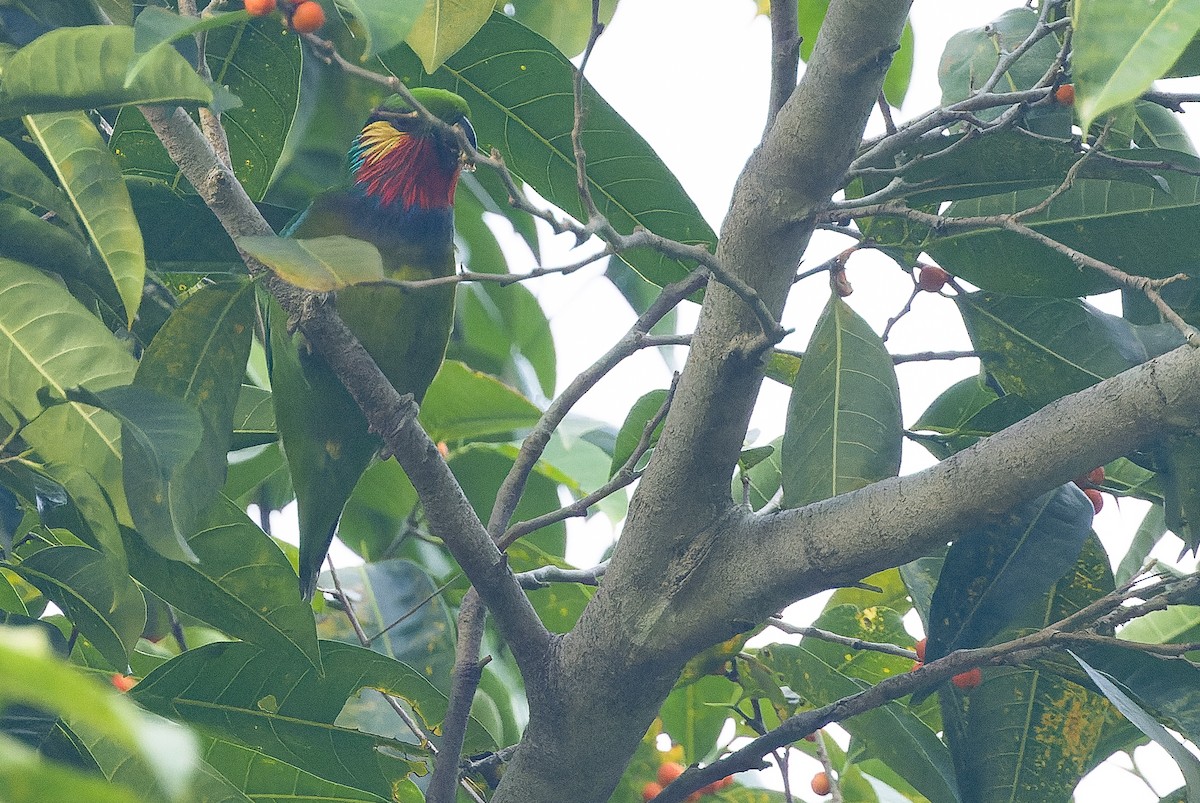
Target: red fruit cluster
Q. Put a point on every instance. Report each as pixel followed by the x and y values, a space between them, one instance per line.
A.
pixel 671 770
pixel 1088 483
pixel 1065 95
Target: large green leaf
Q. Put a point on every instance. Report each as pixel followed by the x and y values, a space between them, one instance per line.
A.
pixel 21 178
pixel 843 427
pixel 444 26
pixel 504 332
pixel 34 678
pixel 321 264
pixel 1189 765
pixel 1133 227
pixel 519 88
pixel 91 179
pixel 385 23
pixel 283 709
pixel 566 23
pixel 198 357
pixel 84 68
pixel 991 575
pixel 263 778
pixel 242 584
pixel 1038 348
pixel 891 732
pixel 462 404
pixel 47 340
pixel 1118 49
pixel 1029 734
pixel 93 589
pixel 259 65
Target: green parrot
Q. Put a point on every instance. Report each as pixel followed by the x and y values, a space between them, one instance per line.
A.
pixel 399 196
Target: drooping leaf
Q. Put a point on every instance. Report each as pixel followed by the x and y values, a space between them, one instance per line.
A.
pixel 631 432
pixel 94 590
pixel 1119 50
pixel 47 340
pixel 284 709
pixel 462 404
pixel 323 264
pixel 843 427
pixel 991 575
pixel 1189 765
pixel 77 68
pixel 444 27
pixel 261 777
pixel 205 372
pixel 92 181
pixel 242 584
pixel 23 179
pixel 385 23
pixel 519 88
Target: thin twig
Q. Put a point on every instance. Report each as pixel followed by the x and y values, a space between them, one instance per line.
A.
pixel 845 641
pixel 468 670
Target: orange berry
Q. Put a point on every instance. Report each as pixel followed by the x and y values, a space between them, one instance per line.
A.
pixel 1097 498
pixel 123 682
pixel 820 784
pixel 919 649
pixel 443 449
pixel 931 279
pixel 1096 476
pixel 260 8
pixel 1065 94
pixel 969 679
pixel 669 772
pixel 308 17
pixel 651 791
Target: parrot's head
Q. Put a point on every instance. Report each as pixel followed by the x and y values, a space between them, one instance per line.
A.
pixel 398 158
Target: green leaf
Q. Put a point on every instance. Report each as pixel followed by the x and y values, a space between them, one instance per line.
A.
pixel 27 777
pixel 694 714
pixel 971 56
pixel 1166 686
pixel 1133 227
pixel 1038 348
pixel 253 418
pixel 375 516
pixel 462 404
pixel 260 777
pixel 560 605
pixel 385 23
pixel 843 428
pixel 519 88
pixel 198 357
pixel 992 574
pixel 1149 533
pixel 35 678
pixel 242 584
pixel 1027 733
pixel 21 178
pixel 259 65
pixel 634 427
pixel 84 68
pixel 155 29
pixel 783 367
pixel 444 27
pixel 1189 765
pixel 895 84
pixel 480 468
pixel 94 590
pixel 47 340
pixel 285 710
pixel 90 177
pixel 1175 625
pixel 1118 49
pixel 503 331
pixel 322 264
pixel 891 732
